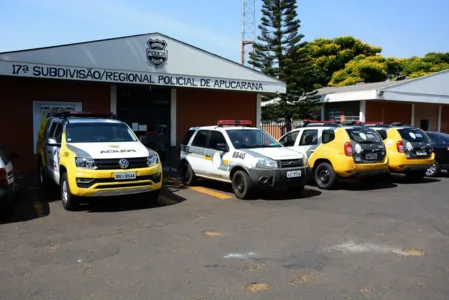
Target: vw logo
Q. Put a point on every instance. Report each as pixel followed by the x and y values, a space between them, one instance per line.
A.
pixel 123 163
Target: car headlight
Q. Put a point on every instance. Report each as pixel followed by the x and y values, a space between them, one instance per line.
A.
pixel 153 159
pixel 304 160
pixel 85 162
pixel 266 163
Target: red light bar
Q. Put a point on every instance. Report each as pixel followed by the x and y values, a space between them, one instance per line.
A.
pixel 374 123
pixel 234 122
pixel 318 121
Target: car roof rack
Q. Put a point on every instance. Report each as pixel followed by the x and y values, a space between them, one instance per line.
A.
pixel 376 124
pixel 74 114
pixel 221 123
pixel 400 124
pixel 308 122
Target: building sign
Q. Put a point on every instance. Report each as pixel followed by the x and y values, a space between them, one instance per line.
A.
pixel 156 58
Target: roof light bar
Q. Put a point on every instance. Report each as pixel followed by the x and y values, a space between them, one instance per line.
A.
pixel 234 122
pixel 66 114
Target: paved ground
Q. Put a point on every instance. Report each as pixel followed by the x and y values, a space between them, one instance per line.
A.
pixel 372 241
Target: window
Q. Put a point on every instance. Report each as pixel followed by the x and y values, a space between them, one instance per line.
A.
pixel 438 139
pixel 187 136
pixel 413 135
pixel 382 133
pixel 424 125
pixel 58 133
pixel 98 133
pixel 216 137
pixel 251 138
pixel 51 133
pixel 309 137
pixel 289 139
pixel 363 135
pixel 200 139
pixel 328 136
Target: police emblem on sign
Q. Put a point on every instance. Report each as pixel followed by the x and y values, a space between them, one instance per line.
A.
pixel 157 56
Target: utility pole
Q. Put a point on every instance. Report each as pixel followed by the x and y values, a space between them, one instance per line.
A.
pixel 248 30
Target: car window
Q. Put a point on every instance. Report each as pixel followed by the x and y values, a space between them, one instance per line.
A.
pixel 437 139
pixel 289 139
pixel 363 135
pixel 327 136
pixel 413 134
pixel 97 133
pixel 309 137
pixel 382 133
pixel 216 137
pixel 251 138
pixel 200 139
pixel 58 133
pixel 3 156
pixel 51 133
pixel 187 136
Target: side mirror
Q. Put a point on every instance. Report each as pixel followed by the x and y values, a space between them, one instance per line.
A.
pixel 13 156
pixel 222 147
pixel 52 142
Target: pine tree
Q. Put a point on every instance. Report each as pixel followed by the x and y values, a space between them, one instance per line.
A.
pixel 279 53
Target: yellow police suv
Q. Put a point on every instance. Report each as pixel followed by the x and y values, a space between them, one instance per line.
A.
pixel 92 155
pixel 338 150
pixel 409 149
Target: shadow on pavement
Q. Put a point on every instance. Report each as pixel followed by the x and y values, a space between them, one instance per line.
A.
pixel 399 178
pixel 359 185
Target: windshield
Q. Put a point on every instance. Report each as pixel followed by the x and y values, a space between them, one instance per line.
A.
pixel 363 135
pixel 413 135
pixel 98 133
pixel 439 138
pixel 250 138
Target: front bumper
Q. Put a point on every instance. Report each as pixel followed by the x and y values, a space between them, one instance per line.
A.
pixel 99 183
pixel 277 178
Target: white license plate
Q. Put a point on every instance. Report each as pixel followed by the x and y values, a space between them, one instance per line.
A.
pixel 371 156
pixel 125 175
pixel 293 174
pixel 421 153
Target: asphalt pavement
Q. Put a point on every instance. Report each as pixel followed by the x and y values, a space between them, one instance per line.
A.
pixel 362 241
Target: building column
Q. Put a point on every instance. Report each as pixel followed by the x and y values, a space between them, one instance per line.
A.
pixel 412 117
pixel 259 111
pixel 323 112
pixel 173 112
pixel 113 98
pixel 440 111
pixel 362 112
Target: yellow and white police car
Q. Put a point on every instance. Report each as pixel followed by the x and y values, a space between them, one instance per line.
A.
pixel 244 156
pixel 91 155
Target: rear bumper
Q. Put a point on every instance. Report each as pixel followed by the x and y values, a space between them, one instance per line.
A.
pixel 347 168
pixel 399 163
pixel 277 178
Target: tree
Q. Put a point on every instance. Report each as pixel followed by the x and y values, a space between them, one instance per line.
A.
pixel 367 69
pixel 332 55
pixel 431 62
pixel 279 52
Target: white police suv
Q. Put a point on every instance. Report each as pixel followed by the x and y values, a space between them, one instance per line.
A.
pixel 244 156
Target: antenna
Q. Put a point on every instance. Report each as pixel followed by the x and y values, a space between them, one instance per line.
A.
pixel 248 29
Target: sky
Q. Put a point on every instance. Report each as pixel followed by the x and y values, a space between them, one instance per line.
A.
pixel 403 28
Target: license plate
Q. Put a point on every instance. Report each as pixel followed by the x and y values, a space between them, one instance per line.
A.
pixel 421 153
pixel 125 175
pixel 293 174
pixel 371 156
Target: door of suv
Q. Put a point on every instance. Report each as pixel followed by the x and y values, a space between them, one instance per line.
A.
pixel 367 145
pixel 52 150
pixel 308 141
pixel 197 152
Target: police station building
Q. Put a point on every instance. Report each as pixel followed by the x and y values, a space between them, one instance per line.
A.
pixel 158 85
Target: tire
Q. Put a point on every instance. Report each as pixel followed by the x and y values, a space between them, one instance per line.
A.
pixel 43 179
pixel 434 170
pixel 241 185
pixel 325 176
pixel 415 176
pixel 188 177
pixel 296 190
pixel 69 202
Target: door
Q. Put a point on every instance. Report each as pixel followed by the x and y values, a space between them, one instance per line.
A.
pixel 214 164
pixel 197 156
pixel 308 142
pixel 289 140
pixel 52 149
pixel 41 108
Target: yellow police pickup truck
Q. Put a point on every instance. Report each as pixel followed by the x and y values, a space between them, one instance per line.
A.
pixel 93 155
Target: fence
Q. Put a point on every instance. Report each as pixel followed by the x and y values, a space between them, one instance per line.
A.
pixel 277 129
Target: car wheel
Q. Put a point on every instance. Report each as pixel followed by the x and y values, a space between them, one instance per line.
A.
pixel 434 170
pixel 325 176
pixel 43 180
pixel 241 185
pixel 188 177
pixel 69 202
pixel 415 176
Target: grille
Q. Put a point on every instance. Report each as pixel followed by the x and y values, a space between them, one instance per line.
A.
pixel 290 163
pixel 112 163
pixel 156 178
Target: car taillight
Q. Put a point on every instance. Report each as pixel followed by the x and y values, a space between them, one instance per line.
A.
pixel 400 146
pixel 348 149
pixel 3 177
pixel 447 148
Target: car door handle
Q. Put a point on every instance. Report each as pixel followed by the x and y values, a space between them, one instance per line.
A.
pixel 207 155
pixel 312 151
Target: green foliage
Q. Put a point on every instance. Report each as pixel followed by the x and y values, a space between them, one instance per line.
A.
pixel 279 52
pixel 331 55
